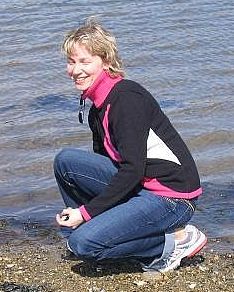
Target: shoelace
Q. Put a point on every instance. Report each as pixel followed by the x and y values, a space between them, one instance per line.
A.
pixel 171 258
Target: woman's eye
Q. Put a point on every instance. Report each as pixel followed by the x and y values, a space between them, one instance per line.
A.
pixel 81 62
pixel 85 61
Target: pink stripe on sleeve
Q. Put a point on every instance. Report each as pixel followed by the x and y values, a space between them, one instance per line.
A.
pixel 84 213
pixel 113 153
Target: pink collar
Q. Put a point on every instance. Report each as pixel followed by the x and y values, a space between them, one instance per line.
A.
pixel 101 87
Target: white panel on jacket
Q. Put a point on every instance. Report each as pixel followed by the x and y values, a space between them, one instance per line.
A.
pixel 156 148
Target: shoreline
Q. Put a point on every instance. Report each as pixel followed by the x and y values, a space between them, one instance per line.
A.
pixel 33 267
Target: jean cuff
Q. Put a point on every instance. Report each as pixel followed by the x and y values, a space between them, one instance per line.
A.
pixel 169 247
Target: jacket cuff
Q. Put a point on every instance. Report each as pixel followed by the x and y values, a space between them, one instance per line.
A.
pixel 84 213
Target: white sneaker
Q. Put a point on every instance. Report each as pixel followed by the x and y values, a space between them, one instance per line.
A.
pixel 199 241
pixel 196 241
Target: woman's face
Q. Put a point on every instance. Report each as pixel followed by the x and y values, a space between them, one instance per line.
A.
pixel 83 67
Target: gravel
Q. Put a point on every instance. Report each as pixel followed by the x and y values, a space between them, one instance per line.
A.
pixel 36 268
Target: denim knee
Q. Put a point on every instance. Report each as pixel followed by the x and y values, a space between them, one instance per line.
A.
pixel 61 158
pixel 63 162
pixel 84 246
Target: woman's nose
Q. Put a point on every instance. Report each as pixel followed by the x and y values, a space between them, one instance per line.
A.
pixel 76 69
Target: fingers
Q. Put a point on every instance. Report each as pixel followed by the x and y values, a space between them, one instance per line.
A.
pixel 66 211
pixel 60 220
pixel 69 218
pixel 63 220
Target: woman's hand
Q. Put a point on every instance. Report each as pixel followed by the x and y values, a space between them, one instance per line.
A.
pixel 70 218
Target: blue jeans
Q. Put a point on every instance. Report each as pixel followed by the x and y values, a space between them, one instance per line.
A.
pixel 141 227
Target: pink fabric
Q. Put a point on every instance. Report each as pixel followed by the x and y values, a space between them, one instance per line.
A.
pixel 84 213
pixel 154 185
pixel 97 93
pixel 101 87
pixel 107 140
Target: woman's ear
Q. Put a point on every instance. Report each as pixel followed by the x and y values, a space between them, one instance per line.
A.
pixel 106 67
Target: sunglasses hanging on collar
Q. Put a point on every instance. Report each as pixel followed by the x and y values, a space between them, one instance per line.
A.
pixel 81 110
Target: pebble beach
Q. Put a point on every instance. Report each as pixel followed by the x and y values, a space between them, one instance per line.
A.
pixel 37 268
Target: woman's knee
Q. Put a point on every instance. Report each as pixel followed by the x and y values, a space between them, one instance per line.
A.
pixel 65 158
pixel 60 159
pixel 64 155
pixel 84 245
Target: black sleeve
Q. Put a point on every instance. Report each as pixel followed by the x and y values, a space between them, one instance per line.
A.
pixel 129 122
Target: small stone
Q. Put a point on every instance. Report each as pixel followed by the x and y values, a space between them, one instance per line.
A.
pixel 203 269
pixel 192 285
pixel 153 276
pixel 111 277
pixel 139 283
pixel 10 266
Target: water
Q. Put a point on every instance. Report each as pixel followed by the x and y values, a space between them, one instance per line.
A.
pixel 182 51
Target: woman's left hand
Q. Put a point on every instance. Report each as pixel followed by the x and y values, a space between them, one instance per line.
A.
pixel 70 217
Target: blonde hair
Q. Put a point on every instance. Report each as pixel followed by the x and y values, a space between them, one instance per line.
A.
pixel 98 41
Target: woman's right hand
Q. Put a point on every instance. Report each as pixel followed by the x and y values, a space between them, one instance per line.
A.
pixel 70 217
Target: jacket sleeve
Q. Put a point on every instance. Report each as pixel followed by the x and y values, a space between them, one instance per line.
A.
pixel 129 123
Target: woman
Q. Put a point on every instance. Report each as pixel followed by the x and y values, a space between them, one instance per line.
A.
pixel 132 197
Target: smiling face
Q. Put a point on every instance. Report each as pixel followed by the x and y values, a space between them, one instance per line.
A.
pixel 83 67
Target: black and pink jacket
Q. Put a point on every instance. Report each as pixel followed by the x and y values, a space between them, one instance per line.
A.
pixel 130 128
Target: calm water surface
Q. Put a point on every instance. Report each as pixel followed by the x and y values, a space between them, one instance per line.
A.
pixel 182 51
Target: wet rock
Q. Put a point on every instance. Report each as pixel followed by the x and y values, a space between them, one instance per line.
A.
pixel 3 224
pixel 8 287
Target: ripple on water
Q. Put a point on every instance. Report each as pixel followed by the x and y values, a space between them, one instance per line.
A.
pixel 183 54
